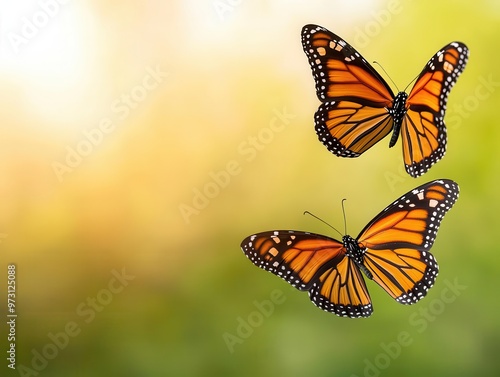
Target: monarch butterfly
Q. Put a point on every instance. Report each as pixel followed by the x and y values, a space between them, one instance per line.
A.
pixel 359 108
pixel 393 250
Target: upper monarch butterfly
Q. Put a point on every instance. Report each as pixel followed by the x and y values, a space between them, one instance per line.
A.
pixel 393 250
pixel 359 108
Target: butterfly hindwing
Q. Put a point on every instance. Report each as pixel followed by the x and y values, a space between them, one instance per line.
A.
pixel 315 263
pixel 342 290
pixel 348 129
pixel 398 240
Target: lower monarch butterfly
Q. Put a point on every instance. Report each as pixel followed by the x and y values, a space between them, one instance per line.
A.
pixel 359 109
pixel 393 250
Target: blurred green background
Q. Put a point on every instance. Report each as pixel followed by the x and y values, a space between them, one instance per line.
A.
pixel 142 141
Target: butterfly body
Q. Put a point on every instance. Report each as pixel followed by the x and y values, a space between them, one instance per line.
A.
pixel 355 252
pixel 392 250
pixel 398 112
pixel 359 108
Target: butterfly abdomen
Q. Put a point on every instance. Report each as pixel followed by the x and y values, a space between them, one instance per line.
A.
pixel 397 112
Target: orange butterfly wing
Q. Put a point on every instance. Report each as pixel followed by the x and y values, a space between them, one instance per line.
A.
pixel 348 129
pixel 398 240
pixel 342 290
pixel 423 131
pixel 354 114
pixel 340 72
pixel 314 263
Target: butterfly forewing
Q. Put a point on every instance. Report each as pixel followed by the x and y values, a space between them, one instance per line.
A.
pixel 298 257
pixel 423 131
pixel 398 240
pixel 340 72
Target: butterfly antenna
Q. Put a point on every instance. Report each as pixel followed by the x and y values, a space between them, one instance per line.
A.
pixel 343 212
pixel 411 82
pixel 323 221
pixel 390 78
